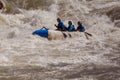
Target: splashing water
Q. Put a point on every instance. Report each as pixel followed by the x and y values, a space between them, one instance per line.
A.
pixel 27 57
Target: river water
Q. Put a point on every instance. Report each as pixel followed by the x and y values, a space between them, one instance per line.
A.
pixel 24 56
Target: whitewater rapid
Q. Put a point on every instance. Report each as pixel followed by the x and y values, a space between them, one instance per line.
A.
pixel 24 56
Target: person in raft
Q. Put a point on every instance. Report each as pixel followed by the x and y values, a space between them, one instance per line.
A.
pixel 71 26
pixel 60 26
pixel 80 27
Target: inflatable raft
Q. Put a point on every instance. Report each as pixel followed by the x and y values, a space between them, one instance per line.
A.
pixel 53 34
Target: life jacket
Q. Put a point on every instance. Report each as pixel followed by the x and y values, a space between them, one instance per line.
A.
pixel 71 28
pixel 61 26
pixel 81 28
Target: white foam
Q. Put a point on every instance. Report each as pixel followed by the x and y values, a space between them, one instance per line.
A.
pixel 17 41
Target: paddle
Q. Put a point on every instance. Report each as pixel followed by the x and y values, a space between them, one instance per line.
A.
pixel 86 34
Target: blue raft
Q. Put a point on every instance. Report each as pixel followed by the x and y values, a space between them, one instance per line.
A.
pixel 42 33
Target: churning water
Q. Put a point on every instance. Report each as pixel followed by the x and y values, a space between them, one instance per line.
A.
pixel 27 57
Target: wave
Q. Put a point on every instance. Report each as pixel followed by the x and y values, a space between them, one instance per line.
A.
pixel 32 4
pixel 9 7
pixel 18 47
pixel 114 14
